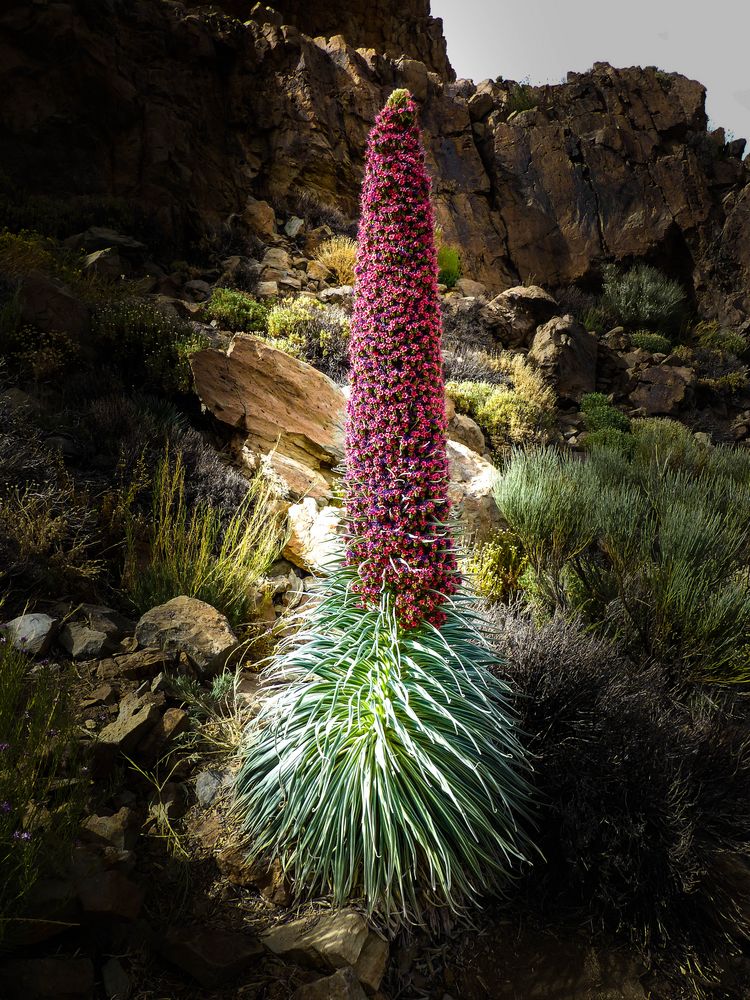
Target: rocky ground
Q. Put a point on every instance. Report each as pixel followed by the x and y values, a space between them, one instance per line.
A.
pixel 159 901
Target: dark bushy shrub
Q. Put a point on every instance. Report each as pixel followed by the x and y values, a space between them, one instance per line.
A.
pixel 644 298
pixel 149 347
pixel 646 827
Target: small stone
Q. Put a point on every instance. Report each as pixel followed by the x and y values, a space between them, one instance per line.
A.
pixel 331 940
pixel 119 830
pixel 31 634
pixel 266 289
pixel 294 227
pixel 342 985
pixel 260 217
pixel 189 626
pixel 136 666
pixel 197 289
pixel 106 263
pixel 105 694
pixel 207 786
pixel 82 642
pixel 467 287
pixel 110 894
pixel 116 981
pixel 341 295
pixel 135 720
pixel 174 722
pixel 317 271
pixel 210 956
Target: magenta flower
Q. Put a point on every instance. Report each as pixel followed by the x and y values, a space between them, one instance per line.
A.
pixel 397 467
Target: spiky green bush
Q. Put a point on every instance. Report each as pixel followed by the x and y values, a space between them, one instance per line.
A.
pixel 711 336
pixel 649 544
pixel 495 567
pixel 517 406
pixel 313 332
pixel 654 343
pixel 644 298
pixel 413 782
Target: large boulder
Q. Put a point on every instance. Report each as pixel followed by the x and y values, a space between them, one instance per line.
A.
pixel 566 352
pixel 189 626
pixel 514 314
pixel 284 409
pixel 663 389
pixel 471 492
pixel 332 940
pixel 314 537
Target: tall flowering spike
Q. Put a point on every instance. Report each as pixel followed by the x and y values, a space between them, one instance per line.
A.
pixel 397 466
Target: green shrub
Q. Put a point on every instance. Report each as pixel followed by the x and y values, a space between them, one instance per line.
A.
pixel 521 97
pixel 710 336
pixel 449 265
pixel 26 251
pixel 599 414
pixel 654 343
pixel 496 567
pixel 192 551
pixel 339 254
pixel 644 298
pixel 149 348
pixel 40 785
pixel 612 438
pixel 728 383
pixel 645 799
pixel 236 311
pixel 650 544
pixel 521 409
pixel 315 333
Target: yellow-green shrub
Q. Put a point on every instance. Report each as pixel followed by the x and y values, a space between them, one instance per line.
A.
pixel 196 552
pixel 496 566
pixel 522 409
pixel 312 332
pixel 339 254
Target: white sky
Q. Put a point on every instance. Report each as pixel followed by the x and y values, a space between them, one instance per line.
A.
pixel 543 39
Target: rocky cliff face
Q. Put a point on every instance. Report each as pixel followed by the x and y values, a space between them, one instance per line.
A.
pixel 392 29
pixel 191 112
